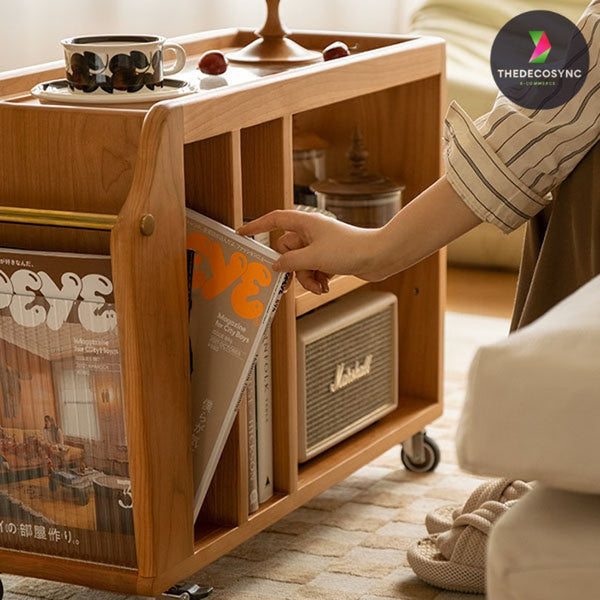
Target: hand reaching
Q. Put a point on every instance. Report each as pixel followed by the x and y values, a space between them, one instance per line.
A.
pixel 317 247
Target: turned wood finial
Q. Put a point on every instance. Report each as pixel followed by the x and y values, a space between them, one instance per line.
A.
pixel 273 26
pixel 358 155
pixel 273 46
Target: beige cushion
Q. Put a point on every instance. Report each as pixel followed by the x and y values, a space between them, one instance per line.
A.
pixel 532 409
pixel 546 547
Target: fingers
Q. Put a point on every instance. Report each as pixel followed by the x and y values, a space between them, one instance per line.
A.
pixel 297 255
pixel 313 281
pixel 308 282
pixel 289 241
pixel 288 220
pixel 295 260
pixel 316 282
pixel 323 280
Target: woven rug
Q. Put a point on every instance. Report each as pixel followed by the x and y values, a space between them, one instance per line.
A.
pixel 350 542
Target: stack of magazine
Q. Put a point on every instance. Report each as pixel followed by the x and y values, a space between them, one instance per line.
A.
pixel 234 293
pixel 259 406
pixel 259 403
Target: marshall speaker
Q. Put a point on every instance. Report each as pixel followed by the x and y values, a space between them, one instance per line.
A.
pixel 347 368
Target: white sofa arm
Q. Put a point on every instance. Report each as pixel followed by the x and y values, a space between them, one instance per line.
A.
pixel 532 409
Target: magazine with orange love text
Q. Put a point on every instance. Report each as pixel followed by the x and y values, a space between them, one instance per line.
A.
pixel 234 293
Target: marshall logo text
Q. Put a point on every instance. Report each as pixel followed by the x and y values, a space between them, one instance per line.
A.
pixel 346 375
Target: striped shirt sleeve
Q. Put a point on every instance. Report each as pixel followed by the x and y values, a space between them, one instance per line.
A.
pixel 505 164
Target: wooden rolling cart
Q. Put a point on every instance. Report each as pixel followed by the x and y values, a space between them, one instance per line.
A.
pixel 228 153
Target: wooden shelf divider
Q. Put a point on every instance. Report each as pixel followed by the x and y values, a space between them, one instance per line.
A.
pixel 213 177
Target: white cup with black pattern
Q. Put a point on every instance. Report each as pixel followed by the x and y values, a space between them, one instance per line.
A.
pixel 118 64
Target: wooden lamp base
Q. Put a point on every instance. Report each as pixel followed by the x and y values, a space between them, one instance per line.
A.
pixel 273 46
pixel 274 50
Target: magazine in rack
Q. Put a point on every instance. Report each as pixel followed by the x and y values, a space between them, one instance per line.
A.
pixel 234 295
pixel 64 464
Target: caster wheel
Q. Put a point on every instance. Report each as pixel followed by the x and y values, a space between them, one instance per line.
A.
pixel 432 457
pixel 1 590
pixel 188 591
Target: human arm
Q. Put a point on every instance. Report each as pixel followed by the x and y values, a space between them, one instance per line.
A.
pixel 499 169
pixel 505 164
pixel 317 247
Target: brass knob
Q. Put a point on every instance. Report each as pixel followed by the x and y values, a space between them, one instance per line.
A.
pixel 147 224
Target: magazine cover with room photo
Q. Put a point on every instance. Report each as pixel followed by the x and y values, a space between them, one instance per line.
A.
pixel 64 463
pixel 234 296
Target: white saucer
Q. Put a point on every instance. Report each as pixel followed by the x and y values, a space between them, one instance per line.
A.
pixel 58 91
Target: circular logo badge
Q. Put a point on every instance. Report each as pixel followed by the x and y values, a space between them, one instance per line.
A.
pixel 539 59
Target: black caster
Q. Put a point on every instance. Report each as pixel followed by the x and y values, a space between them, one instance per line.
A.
pixel 420 453
pixel 187 591
pixel 1 590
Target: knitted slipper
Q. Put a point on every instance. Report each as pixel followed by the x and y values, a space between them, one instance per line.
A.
pixel 440 519
pixel 455 560
pixel 501 490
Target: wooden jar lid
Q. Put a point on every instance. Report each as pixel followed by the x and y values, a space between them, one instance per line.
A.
pixel 358 181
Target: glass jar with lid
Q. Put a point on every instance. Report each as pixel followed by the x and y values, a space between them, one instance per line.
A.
pixel 360 198
pixel 309 164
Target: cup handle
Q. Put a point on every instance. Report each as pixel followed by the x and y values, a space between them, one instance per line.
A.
pixel 179 58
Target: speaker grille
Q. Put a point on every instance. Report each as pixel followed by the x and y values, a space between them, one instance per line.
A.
pixel 329 413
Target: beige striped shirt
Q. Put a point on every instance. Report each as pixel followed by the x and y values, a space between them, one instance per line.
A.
pixel 505 164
